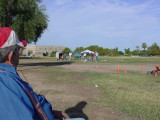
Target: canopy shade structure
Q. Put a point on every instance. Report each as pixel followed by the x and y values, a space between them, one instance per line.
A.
pixel 87 51
pixel 77 55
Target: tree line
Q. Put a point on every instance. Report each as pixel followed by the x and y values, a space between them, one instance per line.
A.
pixel 144 50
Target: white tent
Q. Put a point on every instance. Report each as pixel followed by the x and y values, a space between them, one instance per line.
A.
pixel 87 51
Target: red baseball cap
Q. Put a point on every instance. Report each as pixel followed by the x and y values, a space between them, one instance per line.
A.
pixel 8 38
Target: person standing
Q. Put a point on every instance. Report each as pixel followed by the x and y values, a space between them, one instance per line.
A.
pixel 92 56
pixel 85 55
pixel 70 56
pixel 96 56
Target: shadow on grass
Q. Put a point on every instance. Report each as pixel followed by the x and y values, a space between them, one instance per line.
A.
pixel 77 111
pixel 29 57
pixel 45 64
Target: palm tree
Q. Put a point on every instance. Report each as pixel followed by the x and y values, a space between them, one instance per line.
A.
pixel 137 48
pixel 144 46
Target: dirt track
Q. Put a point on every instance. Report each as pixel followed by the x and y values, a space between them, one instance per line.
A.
pixel 69 97
pixel 108 68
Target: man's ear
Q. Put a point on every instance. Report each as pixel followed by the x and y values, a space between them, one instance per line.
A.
pixel 10 58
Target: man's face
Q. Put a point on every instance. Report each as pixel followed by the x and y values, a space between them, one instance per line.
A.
pixel 15 57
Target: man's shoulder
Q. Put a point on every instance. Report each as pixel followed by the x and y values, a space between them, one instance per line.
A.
pixel 10 80
pixel 8 75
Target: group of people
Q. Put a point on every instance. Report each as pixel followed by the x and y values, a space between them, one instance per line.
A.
pixel 18 100
pixel 93 56
pixel 64 56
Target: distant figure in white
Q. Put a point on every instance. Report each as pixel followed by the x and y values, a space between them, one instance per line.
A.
pixel 96 56
pixel 84 55
pixel 70 56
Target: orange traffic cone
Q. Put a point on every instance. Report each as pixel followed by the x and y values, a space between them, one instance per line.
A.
pixel 155 74
pixel 96 66
pixel 142 67
pixel 75 63
pixel 118 69
pixel 125 71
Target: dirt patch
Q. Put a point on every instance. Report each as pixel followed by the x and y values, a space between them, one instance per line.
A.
pixel 109 68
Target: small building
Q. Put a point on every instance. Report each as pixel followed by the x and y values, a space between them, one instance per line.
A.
pixel 38 50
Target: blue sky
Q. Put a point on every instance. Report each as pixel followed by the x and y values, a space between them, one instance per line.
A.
pixel 106 23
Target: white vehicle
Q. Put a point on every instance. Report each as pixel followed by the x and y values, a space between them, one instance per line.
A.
pixel 59 55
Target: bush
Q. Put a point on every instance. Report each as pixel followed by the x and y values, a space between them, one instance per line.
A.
pixel 53 54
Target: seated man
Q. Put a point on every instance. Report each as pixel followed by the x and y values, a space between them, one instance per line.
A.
pixel 18 100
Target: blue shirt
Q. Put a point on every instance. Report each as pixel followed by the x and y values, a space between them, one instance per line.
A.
pixel 14 102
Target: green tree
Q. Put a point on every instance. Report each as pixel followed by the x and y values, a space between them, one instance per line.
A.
pixel 120 53
pixel 106 51
pixel 95 48
pixel 92 48
pixel 143 53
pixel 134 52
pixel 154 49
pixel 26 17
pixel 100 50
pixel 115 52
pixel 79 49
pixel 144 46
pixel 53 54
pixel 127 51
pixel 66 50
pixel 137 49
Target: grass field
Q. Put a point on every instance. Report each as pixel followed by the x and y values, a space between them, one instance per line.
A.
pixel 134 93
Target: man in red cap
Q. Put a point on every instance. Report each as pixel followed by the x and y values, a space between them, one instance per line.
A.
pixel 17 100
